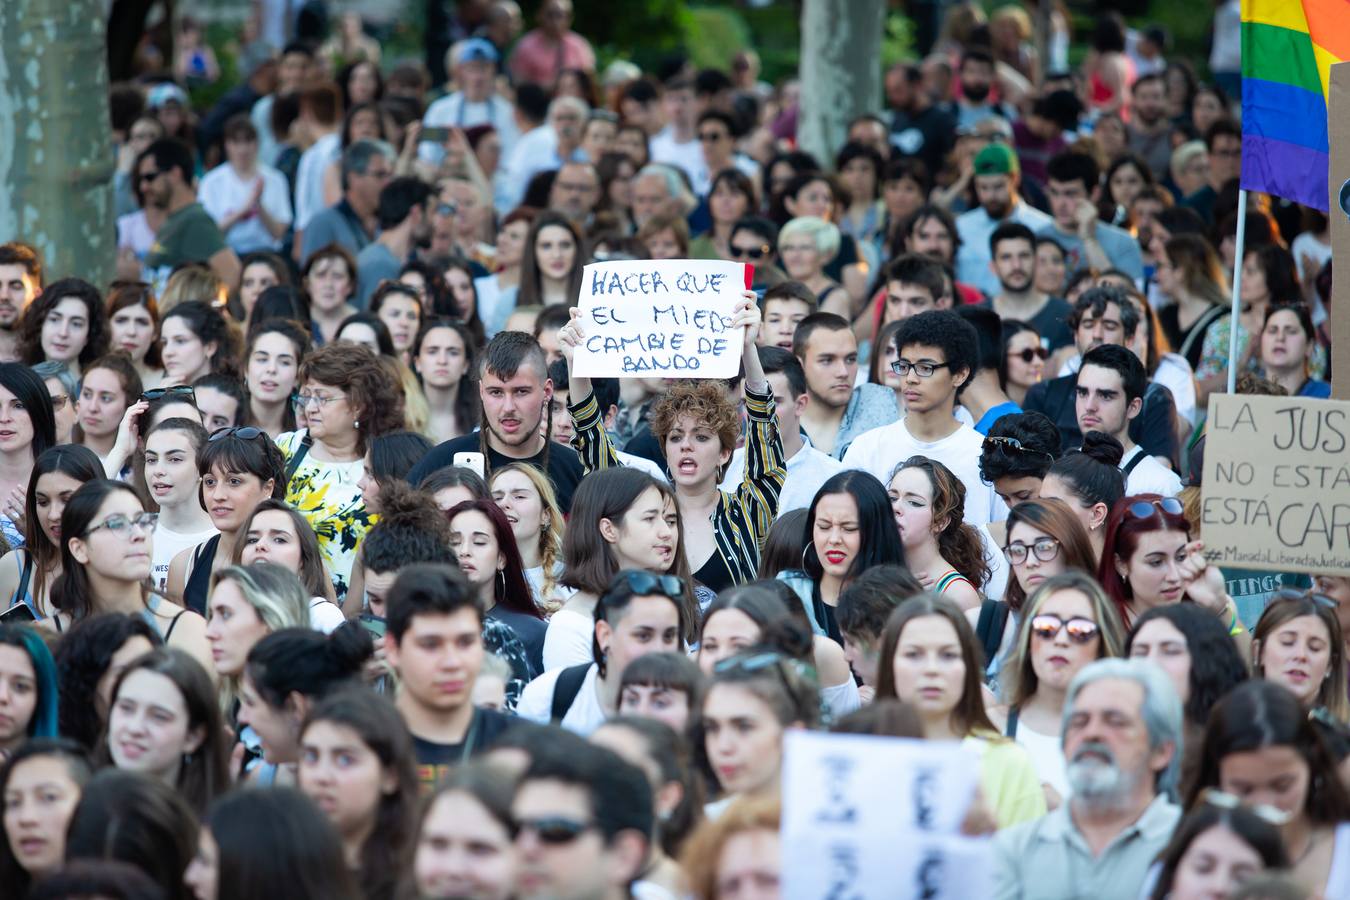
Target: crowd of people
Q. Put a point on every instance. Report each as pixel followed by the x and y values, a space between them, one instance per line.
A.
pixel 324 568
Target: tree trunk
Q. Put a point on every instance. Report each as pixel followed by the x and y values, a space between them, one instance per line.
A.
pixel 56 157
pixel 840 70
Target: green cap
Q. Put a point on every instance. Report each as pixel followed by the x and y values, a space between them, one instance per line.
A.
pixel 996 159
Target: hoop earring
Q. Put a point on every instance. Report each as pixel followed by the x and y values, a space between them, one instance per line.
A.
pixel 808 546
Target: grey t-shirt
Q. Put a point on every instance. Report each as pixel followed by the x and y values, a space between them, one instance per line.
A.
pixel 373 265
pixel 1119 245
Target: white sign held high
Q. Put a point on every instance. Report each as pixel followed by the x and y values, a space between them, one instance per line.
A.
pixel 660 318
pixel 872 818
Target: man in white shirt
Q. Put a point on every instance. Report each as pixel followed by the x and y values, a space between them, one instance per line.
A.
pixel 1110 392
pixel 677 144
pixel 937 354
pixel 320 115
pixel 997 176
pixel 475 103
pixel 717 138
pixel 566 118
pixel 807 467
pixel 250 201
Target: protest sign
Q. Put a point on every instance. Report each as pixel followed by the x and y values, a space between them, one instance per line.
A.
pixel 1276 485
pixel 866 818
pixel 660 318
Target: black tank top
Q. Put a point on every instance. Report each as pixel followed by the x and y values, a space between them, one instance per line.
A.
pixel 199 582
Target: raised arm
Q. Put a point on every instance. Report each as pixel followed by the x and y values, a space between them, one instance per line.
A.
pixel 591 440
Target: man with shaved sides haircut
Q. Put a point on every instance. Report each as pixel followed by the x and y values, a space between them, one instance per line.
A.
pixel 515 390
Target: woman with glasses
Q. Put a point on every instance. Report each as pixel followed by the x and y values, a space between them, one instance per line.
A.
pixel 942 551
pixel 272 359
pixel 1220 845
pixel 133 322
pixel 731 197
pixel 239 467
pixel 62 387
pixel 28 572
pixel 1044 539
pixel 347 397
pixel 1297 643
pixel 752 700
pixel 1194 649
pixel 1263 747
pixel 1024 358
pixel 329 278
pixel 929 659
pixel 1149 559
pixel 195 340
pixel 1068 623
pixel 357 765
pixel 805 245
pixel 105 567
pixel 639 613
pixel 27 429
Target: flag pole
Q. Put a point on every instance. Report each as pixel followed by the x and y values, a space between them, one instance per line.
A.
pixel 1236 309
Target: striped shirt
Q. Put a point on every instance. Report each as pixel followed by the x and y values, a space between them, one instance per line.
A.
pixel 743 518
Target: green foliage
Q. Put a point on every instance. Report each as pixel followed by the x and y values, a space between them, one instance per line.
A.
pixel 897 43
pixel 715 35
pixel 644 32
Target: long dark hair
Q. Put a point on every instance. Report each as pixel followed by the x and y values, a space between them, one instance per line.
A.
pixel 670 751
pixel 303 661
pixel 74 461
pixel 204 772
pixel 72 592
pixel 13 876
pixel 139 820
pixel 1216 665
pixel 302 343
pixel 1258 714
pixel 82 659
pixel 467 401
pixel 277 836
pixel 379 726
pixel 210 326
pixel 393 455
pixel 531 291
pixel 32 319
pixel 876 523
pixel 313 572
pixel 1254 831
pixel 511 591
pixel 31 391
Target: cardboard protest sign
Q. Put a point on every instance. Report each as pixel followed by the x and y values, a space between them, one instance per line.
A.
pixel 660 318
pixel 1276 486
pixel 869 818
pixel 1338 131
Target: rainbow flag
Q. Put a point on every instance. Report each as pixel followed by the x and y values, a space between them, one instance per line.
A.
pixel 1288 48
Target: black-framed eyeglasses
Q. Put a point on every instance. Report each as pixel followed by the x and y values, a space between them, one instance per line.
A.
pixel 122 526
pixel 640 582
pixel 1044 549
pixel 1142 509
pixel 243 432
pixel 553 830
pixel 1047 627
pixel 901 367
pixel 750 252
pixel 178 390
pixel 1027 354
pixel 998 441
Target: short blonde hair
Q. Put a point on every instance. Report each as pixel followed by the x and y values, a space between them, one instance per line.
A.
pixel 1182 156
pixel 824 234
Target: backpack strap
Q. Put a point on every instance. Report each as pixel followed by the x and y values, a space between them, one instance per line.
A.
pixel 1011 729
pixel 298 457
pixel 24 577
pixel 1126 469
pixel 565 690
pixel 989 629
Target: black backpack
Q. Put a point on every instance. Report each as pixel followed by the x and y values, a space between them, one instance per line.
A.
pixel 565 690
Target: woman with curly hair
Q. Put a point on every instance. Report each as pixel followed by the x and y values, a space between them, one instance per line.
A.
pixel 942 551
pixel 698 424
pixel 346 398
pixel 196 339
pixel 66 323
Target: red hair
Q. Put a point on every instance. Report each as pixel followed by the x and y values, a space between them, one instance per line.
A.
pixel 1122 539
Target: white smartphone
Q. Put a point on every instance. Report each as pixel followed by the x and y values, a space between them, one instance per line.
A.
pixel 474 461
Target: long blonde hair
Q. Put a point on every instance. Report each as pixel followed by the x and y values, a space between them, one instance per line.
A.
pixel 550 535
pixel 276 595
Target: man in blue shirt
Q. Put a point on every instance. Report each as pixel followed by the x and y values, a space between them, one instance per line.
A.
pixel 1075 182
pixel 983 396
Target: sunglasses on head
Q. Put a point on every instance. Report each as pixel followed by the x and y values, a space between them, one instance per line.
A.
pixel 244 433
pixel 178 390
pixel 996 442
pixel 553 830
pixel 1079 630
pixel 1142 509
pixel 649 583
pixel 1321 600
pixel 1029 353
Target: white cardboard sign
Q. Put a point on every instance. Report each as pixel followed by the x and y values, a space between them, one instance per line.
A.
pixel 660 319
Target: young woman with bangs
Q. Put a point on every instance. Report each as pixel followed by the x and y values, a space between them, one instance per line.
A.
pixel 105 567
pixel 621 519
pixel 133 323
pixel 27 574
pixel 698 426
pixel 1068 623
pixel 27 429
pixel 239 468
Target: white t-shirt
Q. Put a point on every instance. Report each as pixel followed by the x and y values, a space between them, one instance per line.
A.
pixel 1149 476
pixel 166 545
pixel 567 642
pixel 583 716
pixel 325 615
pixel 223 193
pixel 309 178
pixel 880 450
pixel 807 470
pixel 687 156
